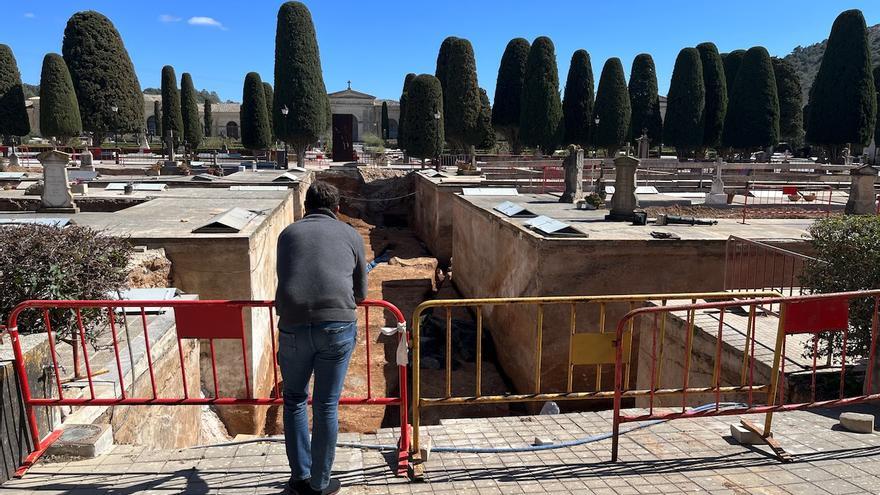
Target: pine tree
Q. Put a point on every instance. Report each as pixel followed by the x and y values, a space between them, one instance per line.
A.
pixel 384 118
pixel 13 114
pixel 270 102
pixel 577 102
pixel 192 126
pixel 644 99
pixel 255 131
pixel 157 116
pixel 788 89
pixel 103 75
pixel 461 96
pixel 508 92
pixel 612 108
pixel 299 82
pixel 404 99
pixel 172 118
pixel 843 99
pixel 754 104
pixel 540 118
pixel 424 117
pixel 487 132
pixel 59 110
pixel 209 119
pixel 686 102
pixel 715 84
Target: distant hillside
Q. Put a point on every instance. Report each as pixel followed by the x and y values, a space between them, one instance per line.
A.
pixel 806 60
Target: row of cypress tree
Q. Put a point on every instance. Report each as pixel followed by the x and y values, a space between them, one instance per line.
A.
pixel 94 75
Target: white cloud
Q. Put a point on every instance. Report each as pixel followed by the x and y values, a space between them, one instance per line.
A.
pixel 169 18
pixel 205 21
pixel 29 15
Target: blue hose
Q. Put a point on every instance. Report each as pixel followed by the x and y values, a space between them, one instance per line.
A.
pixel 537 448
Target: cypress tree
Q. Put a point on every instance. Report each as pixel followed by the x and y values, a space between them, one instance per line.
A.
pixel 299 82
pixel 788 89
pixel 192 127
pixel 461 96
pixel 877 88
pixel 442 68
pixel 172 119
pixel 508 92
pixel 384 120
pixel 487 132
pixel 540 108
pixel 577 102
pixel 59 110
pixel 103 75
pixel 683 127
pixel 612 107
pixel 424 130
pixel 715 85
pixel 255 132
pixel 644 99
pixel 754 105
pixel 270 99
pixel 13 114
pixel 209 119
pixel 157 116
pixel 843 99
pixel 731 62
pixel 404 101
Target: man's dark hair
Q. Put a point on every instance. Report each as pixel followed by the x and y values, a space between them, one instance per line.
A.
pixel 322 195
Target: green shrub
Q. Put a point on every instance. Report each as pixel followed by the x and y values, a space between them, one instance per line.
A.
pixel 848 259
pixel 44 262
pixel 374 142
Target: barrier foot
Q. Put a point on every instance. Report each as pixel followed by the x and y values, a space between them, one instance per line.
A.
pixel 416 467
pixel 774 444
pixel 32 458
pixel 402 460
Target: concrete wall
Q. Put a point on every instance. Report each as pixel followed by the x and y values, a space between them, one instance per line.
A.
pixel 494 258
pixel 162 427
pixel 15 439
pixel 432 215
pixel 243 268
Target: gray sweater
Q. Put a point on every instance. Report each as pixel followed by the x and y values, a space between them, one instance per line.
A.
pixel 322 273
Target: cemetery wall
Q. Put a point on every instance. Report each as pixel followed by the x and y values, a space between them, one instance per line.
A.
pixel 432 215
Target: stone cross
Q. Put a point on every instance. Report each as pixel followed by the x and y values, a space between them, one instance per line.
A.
pixel 85 160
pixel 862 200
pixel 716 195
pixel 169 145
pixel 624 200
pixel 644 144
pixel 56 197
pixel 574 175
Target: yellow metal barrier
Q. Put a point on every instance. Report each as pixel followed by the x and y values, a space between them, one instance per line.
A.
pixel 585 348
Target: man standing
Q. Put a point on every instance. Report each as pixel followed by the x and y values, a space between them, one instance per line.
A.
pixel 321 278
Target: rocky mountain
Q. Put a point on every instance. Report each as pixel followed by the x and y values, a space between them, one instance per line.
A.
pixel 806 59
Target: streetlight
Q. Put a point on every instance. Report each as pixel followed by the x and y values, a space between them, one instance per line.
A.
pixel 284 112
pixel 115 110
pixel 598 187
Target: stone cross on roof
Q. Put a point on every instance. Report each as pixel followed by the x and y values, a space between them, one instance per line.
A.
pixel 349 83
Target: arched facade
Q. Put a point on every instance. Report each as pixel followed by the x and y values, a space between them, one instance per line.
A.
pixel 232 130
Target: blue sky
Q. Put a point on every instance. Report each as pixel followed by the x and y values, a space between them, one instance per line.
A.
pixel 375 43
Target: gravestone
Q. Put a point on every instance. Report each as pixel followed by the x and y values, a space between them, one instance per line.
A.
pixel 13 159
pixel 56 197
pixel 644 144
pixel 862 200
pixel 716 195
pixel 624 200
pixel 169 166
pixel 85 161
pixel 574 175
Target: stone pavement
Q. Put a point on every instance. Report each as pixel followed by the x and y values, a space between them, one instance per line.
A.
pixel 682 456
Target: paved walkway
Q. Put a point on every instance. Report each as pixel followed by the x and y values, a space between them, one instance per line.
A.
pixel 683 456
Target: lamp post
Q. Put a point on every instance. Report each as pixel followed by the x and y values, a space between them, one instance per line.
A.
pixel 284 112
pixel 115 110
pixel 598 187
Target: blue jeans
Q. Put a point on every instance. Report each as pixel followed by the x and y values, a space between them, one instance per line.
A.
pixel 323 348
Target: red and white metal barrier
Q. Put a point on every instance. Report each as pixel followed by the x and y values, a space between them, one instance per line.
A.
pixel 202 320
pixel 776 198
pixel 805 316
